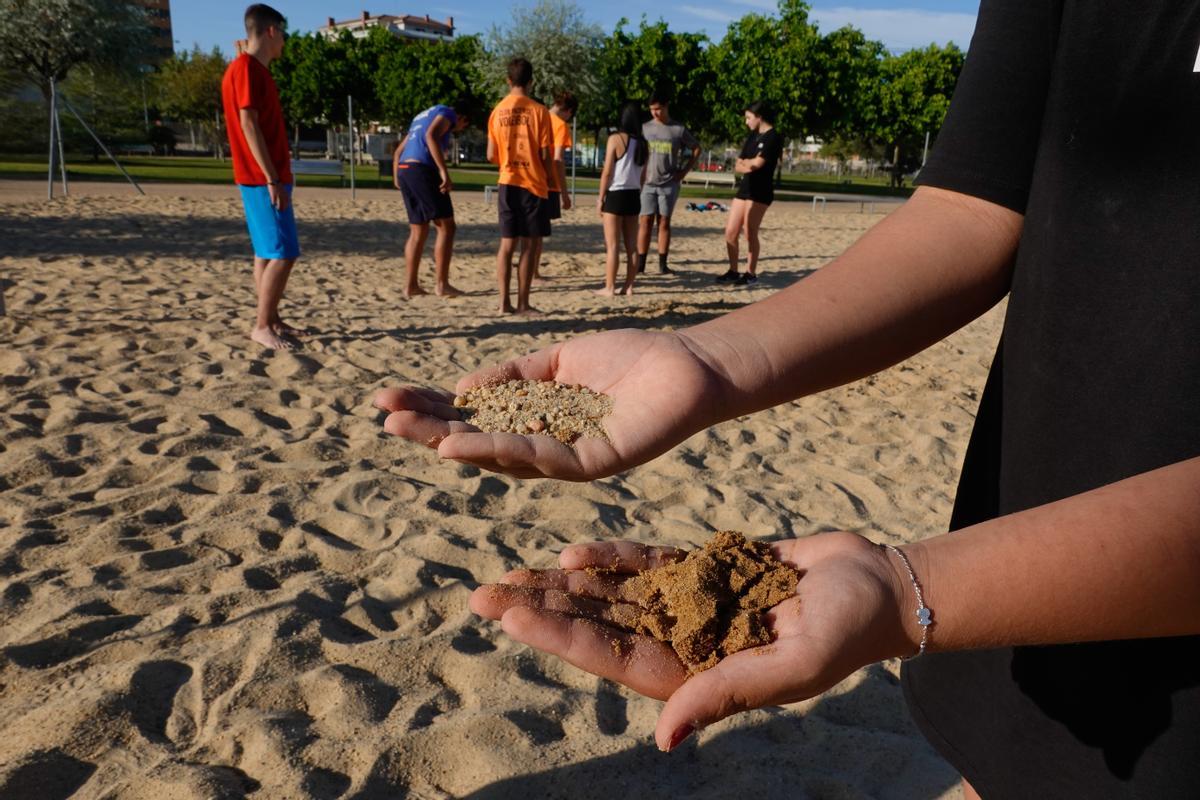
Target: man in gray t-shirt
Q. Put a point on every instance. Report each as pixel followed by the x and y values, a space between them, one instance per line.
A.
pixel 673 152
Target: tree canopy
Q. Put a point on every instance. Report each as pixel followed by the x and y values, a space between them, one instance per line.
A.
pixel 839 86
pixel 44 40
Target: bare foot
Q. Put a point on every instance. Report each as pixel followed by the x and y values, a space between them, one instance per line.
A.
pixel 627 289
pixel 271 340
pixel 448 291
pixel 413 292
pixel 605 292
pixel 528 311
pixel 507 308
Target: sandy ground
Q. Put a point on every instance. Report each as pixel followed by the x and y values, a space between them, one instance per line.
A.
pixel 218 578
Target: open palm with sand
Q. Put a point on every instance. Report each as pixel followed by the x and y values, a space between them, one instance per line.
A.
pixel 663 389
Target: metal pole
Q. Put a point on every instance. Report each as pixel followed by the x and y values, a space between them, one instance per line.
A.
pixel 92 133
pixel 926 151
pixel 145 108
pixel 574 142
pixel 350 118
pixel 50 171
pixel 62 157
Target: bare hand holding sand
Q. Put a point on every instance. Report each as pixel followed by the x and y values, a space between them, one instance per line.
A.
pixel 847 612
pixel 662 386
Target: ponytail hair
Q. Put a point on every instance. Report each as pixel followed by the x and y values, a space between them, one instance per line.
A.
pixel 631 125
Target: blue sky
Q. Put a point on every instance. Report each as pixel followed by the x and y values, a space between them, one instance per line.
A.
pixel 899 24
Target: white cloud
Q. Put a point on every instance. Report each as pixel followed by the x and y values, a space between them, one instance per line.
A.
pixel 899 28
pixel 710 14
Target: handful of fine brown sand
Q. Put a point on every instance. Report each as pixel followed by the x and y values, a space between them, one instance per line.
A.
pixel 712 604
pixel 555 409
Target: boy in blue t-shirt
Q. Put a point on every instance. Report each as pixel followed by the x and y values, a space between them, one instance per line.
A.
pixel 420 173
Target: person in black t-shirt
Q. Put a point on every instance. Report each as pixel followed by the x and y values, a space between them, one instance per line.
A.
pixel 1061 658
pixel 759 157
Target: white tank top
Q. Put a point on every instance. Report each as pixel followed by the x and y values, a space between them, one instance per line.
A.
pixel 627 173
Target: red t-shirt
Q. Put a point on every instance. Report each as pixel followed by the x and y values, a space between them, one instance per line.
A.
pixel 248 84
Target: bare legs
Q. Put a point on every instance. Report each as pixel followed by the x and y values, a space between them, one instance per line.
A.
pixel 443 249
pixel 617 228
pixel 646 228
pixel 744 215
pixel 270 279
pixel 504 256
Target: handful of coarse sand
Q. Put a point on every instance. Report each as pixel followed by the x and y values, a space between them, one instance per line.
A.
pixel 713 603
pixel 554 409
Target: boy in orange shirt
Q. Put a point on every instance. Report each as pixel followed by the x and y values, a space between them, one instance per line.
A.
pixel 519 140
pixel 561 113
pixel 262 168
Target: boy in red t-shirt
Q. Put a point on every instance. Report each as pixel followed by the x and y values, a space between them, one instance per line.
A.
pixel 262 169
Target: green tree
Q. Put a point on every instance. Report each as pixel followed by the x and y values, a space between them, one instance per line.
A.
pixel 557 40
pixel 911 97
pixel 45 40
pixel 189 90
pixel 850 64
pixel 417 75
pixel 302 77
pixel 772 58
pixel 632 65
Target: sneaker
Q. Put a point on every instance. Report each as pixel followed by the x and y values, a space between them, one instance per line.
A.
pixel 729 277
pixel 745 279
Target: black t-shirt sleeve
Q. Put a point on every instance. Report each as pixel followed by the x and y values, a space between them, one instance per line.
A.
pixel 988 144
pixel 772 149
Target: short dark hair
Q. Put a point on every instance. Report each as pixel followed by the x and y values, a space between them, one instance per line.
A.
pixel 761 108
pixel 567 101
pixel 261 16
pixel 520 72
pixel 659 97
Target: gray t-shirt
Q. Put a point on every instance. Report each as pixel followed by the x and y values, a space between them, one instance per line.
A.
pixel 670 149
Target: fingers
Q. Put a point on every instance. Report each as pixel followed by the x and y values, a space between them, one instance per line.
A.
pixel 493 600
pixel 745 680
pixel 648 667
pixel 414 398
pixel 422 428
pixel 620 556
pixel 511 453
pixel 600 586
pixel 539 366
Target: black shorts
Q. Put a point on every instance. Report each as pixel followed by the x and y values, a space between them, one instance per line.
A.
pixel 420 186
pixel 554 205
pixel 623 202
pixel 522 213
pixel 755 194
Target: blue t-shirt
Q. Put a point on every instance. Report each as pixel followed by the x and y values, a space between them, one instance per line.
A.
pixel 416 149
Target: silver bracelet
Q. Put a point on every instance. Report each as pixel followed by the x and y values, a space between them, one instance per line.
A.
pixel 924 614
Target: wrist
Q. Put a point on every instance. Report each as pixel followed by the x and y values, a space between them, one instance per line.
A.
pixel 720 399
pixel 908 632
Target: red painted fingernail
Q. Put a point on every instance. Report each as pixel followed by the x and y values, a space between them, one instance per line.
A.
pixel 678 737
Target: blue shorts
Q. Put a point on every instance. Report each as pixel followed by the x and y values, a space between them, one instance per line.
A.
pixel 272 232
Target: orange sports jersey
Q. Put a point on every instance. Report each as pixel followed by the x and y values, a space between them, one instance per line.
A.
pixel 561 134
pixel 520 128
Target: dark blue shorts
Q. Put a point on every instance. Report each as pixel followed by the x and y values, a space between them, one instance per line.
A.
pixel 272 232
pixel 420 186
pixel 522 213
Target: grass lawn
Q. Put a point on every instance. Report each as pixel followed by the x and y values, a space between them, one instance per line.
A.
pixel 180 169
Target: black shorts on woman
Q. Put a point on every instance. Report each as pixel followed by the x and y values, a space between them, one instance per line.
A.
pixel 623 202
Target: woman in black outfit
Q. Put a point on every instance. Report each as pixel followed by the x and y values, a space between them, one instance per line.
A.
pixel 760 156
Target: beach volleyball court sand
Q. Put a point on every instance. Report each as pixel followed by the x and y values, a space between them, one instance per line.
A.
pixel 218 577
